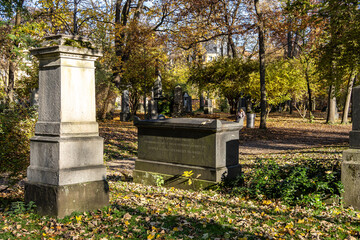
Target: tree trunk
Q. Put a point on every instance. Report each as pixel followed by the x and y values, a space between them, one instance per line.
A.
pixel 11 83
pixel 291 105
pixel 331 105
pixel 75 28
pixel 10 88
pixel 309 90
pixel 344 118
pixel 261 30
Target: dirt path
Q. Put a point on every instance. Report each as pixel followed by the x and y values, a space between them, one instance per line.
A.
pixel 285 134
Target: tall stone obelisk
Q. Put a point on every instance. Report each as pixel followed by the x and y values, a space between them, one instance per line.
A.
pixel 66 171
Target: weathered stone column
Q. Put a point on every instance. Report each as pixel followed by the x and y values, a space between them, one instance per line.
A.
pixel 66 171
pixel 350 168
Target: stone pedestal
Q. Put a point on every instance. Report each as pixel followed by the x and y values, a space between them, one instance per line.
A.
pixel 66 171
pixel 350 168
pixel 209 148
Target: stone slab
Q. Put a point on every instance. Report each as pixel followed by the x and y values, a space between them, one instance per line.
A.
pixel 60 201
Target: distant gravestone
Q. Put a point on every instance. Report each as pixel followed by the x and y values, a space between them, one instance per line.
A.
pixel 158 88
pixel 208 109
pixel 167 148
pixel 178 101
pixel 66 171
pixel 125 106
pixel 187 103
pixel 350 168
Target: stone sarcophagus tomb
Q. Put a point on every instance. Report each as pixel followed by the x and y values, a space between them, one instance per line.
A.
pixel 168 148
pixel 66 171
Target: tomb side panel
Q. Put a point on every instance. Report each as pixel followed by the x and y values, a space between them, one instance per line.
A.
pixel 180 146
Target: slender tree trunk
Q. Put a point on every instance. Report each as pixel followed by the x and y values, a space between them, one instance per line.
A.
pixel 331 105
pixel 75 29
pixel 10 89
pixel 11 82
pixel 121 19
pixel 261 31
pixel 309 89
pixel 344 118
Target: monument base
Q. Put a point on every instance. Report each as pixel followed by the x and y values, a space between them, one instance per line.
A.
pixel 177 181
pixel 350 177
pixel 214 175
pixel 60 201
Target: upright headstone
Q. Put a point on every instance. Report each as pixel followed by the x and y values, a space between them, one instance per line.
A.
pixel 208 109
pixel 187 103
pixel 66 171
pixel 350 168
pixel 125 106
pixel 178 101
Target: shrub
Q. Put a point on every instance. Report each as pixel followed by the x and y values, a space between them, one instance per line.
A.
pixel 16 128
pixel 302 183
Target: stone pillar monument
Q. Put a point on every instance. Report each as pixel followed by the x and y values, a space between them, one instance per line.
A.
pixel 350 168
pixel 66 171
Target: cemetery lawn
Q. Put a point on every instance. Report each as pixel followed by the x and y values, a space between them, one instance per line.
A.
pixel 150 212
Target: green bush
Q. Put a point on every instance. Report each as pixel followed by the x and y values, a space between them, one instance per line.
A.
pixel 303 183
pixel 16 128
pixel 164 106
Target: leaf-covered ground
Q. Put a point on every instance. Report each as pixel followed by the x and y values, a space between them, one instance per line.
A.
pixel 148 212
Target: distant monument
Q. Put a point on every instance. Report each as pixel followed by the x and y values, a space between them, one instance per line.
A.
pixel 66 171
pixel 187 103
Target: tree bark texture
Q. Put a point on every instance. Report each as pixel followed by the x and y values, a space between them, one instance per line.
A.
pixel 261 31
pixel 344 118
pixel 331 112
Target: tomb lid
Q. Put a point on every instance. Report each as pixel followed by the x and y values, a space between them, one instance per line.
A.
pixel 190 123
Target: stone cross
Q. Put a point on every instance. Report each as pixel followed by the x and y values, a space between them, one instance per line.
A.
pixel 66 171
